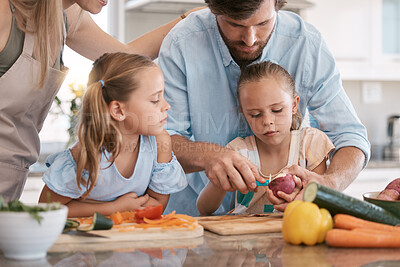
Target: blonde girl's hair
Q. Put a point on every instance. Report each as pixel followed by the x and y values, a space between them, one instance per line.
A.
pixel 97 132
pixel 268 69
pixel 44 19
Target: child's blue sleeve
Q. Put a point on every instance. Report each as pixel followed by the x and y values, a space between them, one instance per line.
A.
pixel 60 177
pixel 168 178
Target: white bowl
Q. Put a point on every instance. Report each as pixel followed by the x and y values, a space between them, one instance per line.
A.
pixel 23 238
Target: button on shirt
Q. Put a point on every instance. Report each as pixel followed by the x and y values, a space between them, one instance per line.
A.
pixel 200 85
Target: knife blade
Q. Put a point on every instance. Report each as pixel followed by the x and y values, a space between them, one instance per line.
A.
pixel 80 233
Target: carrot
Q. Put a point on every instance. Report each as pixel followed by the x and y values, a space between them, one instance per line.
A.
pixel 116 217
pixel 349 222
pixel 362 238
pixel 159 221
pixel 128 216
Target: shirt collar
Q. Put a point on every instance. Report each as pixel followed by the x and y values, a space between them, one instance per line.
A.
pixel 226 55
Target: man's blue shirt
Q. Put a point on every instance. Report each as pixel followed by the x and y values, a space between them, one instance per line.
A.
pixel 200 85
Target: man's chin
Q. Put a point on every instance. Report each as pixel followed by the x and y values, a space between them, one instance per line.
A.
pixel 243 56
pixel 246 58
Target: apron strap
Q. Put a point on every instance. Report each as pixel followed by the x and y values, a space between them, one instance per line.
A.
pixel 28 44
pixel 294 148
pixel 29 40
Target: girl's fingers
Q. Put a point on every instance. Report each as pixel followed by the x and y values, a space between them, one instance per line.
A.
pixel 272 198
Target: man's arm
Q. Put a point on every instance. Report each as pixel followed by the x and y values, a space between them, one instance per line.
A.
pixel 224 167
pixel 344 168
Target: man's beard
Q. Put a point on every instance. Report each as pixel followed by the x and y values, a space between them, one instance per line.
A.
pixel 242 58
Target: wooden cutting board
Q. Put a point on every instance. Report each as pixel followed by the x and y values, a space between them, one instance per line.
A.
pixel 242 224
pixel 115 235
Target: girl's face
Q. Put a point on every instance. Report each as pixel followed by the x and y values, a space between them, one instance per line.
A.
pixel 268 108
pixel 146 110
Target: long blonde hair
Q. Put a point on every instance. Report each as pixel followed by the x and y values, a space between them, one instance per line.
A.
pixel 268 69
pixel 44 19
pixel 97 132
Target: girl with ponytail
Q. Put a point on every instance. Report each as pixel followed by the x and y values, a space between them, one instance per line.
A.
pixel 33 34
pixel 123 159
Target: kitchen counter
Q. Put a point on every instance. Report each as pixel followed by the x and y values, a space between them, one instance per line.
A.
pixel 211 250
pixel 375 164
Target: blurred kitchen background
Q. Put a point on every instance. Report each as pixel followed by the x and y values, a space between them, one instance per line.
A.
pixel 363 35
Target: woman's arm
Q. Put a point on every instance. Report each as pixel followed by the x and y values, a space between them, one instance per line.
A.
pixel 210 199
pixel 89 40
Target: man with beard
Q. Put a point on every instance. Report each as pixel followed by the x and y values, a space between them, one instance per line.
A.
pixel 201 60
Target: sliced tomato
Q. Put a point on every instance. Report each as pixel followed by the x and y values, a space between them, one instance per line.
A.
pixel 150 212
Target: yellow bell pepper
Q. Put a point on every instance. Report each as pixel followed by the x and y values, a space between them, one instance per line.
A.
pixel 305 222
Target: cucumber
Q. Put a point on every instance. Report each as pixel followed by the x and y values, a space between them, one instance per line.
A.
pixel 100 222
pixel 70 224
pixel 337 202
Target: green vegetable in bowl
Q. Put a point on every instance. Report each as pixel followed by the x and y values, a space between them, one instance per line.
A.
pixel 18 206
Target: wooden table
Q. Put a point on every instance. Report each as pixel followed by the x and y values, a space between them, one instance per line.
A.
pixel 211 250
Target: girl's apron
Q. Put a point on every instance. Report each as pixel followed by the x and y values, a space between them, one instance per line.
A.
pixel 23 109
pixel 257 202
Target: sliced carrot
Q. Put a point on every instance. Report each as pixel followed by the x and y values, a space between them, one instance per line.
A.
pixel 116 217
pixel 168 221
pixel 159 221
pixel 362 238
pixel 128 216
pixel 185 217
pixel 345 221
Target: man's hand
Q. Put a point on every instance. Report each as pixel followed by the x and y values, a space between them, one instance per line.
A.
pixel 225 168
pixel 231 171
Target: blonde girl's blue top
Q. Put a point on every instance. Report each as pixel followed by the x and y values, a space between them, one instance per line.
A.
pixel 162 178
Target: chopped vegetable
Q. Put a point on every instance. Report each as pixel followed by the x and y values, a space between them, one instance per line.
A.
pixel 116 218
pixel 149 212
pixel 70 224
pixel 99 222
pixel 168 221
pixel 18 206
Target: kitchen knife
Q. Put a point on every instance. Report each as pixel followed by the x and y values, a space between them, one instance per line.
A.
pixel 80 233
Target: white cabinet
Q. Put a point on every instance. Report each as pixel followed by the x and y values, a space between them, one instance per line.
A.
pixel 353 32
pixel 372 180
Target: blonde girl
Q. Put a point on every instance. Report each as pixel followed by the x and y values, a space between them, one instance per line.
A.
pixel 123 160
pixel 32 38
pixel 267 99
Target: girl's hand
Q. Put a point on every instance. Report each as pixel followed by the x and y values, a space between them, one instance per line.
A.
pixel 130 201
pixel 284 199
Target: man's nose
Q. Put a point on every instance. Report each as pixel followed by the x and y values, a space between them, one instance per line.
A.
pixel 249 36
